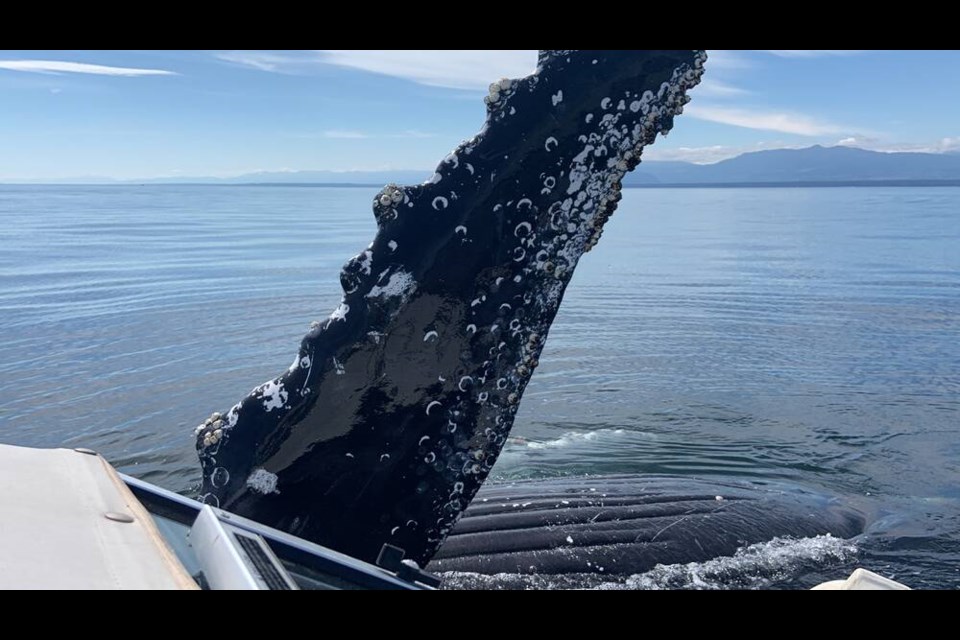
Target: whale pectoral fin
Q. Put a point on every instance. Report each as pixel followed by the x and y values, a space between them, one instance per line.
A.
pixel 420 371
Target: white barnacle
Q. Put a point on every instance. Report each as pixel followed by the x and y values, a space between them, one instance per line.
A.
pixel 430 336
pixel 522 230
pixel 465 380
pixel 340 313
pixel 400 283
pixel 440 203
pixel 432 405
pixel 262 481
pixel 550 142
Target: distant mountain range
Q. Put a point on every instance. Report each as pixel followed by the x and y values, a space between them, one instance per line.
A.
pixel 813 165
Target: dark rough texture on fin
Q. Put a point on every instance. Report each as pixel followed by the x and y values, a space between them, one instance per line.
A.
pixel 625 525
pixel 397 406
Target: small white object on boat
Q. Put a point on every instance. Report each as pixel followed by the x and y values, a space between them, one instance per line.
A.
pixel 862 580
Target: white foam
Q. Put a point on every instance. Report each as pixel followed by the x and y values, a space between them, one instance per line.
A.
pixel 754 567
pixel 568 439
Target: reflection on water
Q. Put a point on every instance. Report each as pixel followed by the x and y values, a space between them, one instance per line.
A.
pixel 805 335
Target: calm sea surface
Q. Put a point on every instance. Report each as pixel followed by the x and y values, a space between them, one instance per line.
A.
pixel 808 336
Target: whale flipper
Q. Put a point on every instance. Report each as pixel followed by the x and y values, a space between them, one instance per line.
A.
pixel 397 405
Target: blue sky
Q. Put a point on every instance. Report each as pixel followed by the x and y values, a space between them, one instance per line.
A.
pixel 144 114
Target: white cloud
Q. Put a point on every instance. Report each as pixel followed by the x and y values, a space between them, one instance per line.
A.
pixel 811 53
pixel 472 69
pixel 58 66
pixel 943 145
pixel 451 68
pixel 264 60
pixel 726 59
pixel 716 89
pixel 781 122
pixel 708 155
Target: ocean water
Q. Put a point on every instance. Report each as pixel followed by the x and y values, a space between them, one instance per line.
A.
pixel 808 336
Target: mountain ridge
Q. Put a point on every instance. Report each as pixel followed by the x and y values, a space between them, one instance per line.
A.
pixel 816 165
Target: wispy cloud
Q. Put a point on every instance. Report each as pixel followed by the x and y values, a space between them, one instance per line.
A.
pixel 710 154
pixel 811 53
pixel 726 59
pixel 716 89
pixel 353 134
pixel 781 122
pixel 345 135
pixel 942 145
pixel 266 61
pixel 451 68
pixel 59 66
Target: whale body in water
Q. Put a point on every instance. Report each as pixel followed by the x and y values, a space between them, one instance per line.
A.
pixel 397 405
pixel 591 531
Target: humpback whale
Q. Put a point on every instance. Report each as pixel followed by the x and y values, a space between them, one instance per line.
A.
pixel 578 530
pixel 396 407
